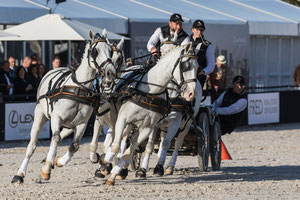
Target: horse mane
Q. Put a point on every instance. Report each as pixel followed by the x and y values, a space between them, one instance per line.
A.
pixel 171 49
pixel 87 46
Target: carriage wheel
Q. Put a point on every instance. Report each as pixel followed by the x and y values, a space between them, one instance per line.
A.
pixel 136 160
pixel 203 142
pixel 215 148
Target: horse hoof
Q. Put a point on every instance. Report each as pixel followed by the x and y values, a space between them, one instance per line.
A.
pixel 140 173
pixel 159 170
pixel 102 161
pixel 44 175
pixel 56 162
pixel 169 170
pixel 123 174
pixel 98 174
pixel 17 179
pixel 97 160
pixel 106 169
pixel 110 182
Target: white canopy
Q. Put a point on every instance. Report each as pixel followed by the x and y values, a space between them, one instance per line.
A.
pixel 54 27
pixel 6 34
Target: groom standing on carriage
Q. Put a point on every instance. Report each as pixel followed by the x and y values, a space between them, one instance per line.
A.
pixel 175 24
pixel 206 57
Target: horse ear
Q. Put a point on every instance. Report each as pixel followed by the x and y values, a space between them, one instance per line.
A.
pixel 104 33
pixel 188 47
pixel 91 34
pixel 174 39
pixel 120 44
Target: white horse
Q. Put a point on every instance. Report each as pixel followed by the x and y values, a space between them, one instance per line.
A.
pixel 172 123
pixel 74 108
pixel 150 89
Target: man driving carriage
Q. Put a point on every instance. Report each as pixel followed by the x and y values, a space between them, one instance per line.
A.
pixel 231 105
pixel 175 24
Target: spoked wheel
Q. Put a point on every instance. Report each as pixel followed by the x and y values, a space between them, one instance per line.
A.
pixel 136 160
pixel 215 148
pixel 203 142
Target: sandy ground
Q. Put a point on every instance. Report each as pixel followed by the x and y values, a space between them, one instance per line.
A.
pixel 265 165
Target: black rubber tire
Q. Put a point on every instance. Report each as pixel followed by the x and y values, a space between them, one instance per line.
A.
pixel 203 142
pixel 215 148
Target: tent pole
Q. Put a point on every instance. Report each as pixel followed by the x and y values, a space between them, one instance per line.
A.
pixel 69 52
pixel 5 50
pixel 50 55
pixel 43 51
pixel 24 49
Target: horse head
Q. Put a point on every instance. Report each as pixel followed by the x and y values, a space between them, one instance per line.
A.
pixel 186 73
pixel 99 56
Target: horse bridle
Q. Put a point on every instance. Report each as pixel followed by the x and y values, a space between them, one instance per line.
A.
pixel 183 67
pixel 92 52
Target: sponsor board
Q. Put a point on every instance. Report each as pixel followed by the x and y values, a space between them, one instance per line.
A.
pixel 18 121
pixel 263 108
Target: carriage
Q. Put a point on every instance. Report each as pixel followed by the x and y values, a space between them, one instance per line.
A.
pixel 203 140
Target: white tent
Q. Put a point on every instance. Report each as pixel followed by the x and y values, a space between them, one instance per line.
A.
pixel 6 34
pixel 54 27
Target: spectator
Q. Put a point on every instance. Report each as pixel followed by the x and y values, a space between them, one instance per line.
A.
pixel 56 62
pixel 13 69
pixel 34 77
pixel 26 63
pixel 22 87
pixel 34 59
pixel 41 71
pixel 296 77
pixel 218 76
pixel 6 84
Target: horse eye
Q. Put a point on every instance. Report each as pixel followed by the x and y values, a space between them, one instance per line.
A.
pixel 94 53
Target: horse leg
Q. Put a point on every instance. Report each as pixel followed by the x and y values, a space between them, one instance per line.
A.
pixel 38 123
pixel 149 148
pixel 56 123
pixel 94 157
pixel 178 144
pixel 175 119
pixel 73 148
pixel 126 158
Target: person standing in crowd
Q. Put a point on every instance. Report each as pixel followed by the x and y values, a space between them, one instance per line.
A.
pixel 34 77
pixel 26 63
pixel 22 86
pixel 6 84
pixel 34 59
pixel 296 78
pixel 55 62
pixel 206 58
pixel 41 71
pixel 175 24
pixel 218 76
pixel 13 70
pixel 231 105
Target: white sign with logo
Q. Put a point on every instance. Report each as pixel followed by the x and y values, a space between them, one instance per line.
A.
pixel 19 120
pixel 263 108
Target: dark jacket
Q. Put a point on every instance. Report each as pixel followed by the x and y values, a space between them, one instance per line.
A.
pixel 221 83
pixel 229 122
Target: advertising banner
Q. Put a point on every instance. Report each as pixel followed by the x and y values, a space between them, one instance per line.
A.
pixel 18 121
pixel 263 108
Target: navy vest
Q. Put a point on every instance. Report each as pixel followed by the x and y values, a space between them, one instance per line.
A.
pixel 202 52
pixel 229 122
